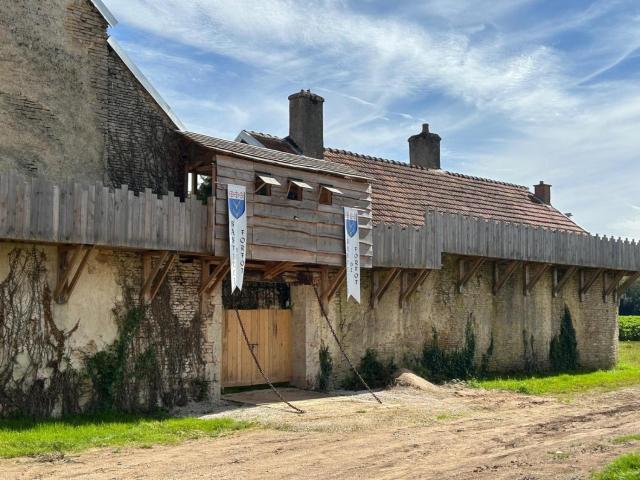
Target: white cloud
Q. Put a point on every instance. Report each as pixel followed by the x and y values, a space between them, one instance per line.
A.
pixel 507 99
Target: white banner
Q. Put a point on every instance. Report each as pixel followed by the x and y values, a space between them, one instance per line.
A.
pixel 352 248
pixel 237 203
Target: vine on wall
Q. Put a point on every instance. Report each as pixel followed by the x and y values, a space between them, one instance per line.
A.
pixel 155 362
pixel 36 377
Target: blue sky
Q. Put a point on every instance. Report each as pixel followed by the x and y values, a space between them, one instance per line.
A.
pixel 519 90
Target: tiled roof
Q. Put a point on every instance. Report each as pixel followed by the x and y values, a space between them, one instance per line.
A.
pixel 402 193
pixel 274 143
pixel 266 155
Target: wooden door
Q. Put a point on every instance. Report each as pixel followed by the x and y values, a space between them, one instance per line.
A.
pixel 269 333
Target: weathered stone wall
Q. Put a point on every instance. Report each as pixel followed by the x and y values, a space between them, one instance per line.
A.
pixel 70 108
pixel 89 318
pixel 521 326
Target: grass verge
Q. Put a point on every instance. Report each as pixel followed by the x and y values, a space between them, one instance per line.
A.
pixel 22 437
pixel 625 467
pixel 626 373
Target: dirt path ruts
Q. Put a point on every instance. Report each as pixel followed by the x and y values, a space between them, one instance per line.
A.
pixel 463 434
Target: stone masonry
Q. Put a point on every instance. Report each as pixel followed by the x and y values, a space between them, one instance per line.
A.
pixel 521 326
pixel 70 108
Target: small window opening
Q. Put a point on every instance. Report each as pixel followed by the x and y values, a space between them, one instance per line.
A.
pixel 296 189
pixel 326 194
pixel 263 184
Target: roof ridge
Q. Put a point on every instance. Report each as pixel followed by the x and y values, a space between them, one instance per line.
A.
pixel 419 167
pixel 262 134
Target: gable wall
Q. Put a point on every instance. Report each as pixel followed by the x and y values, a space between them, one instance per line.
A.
pixel 69 107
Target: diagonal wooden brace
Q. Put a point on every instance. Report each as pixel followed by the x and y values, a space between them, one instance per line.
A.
pixel 631 279
pixel 409 287
pixel 613 284
pixel 587 283
pixel 379 289
pixel 329 287
pixel 500 281
pixel 559 283
pixel 211 281
pixel 154 276
pixel 276 269
pixel 71 262
pixel 464 274
pixel 530 279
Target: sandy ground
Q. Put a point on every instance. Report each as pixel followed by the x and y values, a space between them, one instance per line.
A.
pixel 452 433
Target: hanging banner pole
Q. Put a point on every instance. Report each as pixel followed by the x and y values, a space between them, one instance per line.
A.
pixel 237 203
pixel 352 249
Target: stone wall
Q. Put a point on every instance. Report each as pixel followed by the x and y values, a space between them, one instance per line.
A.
pixel 70 108
pixel 521 326
pixel 89 324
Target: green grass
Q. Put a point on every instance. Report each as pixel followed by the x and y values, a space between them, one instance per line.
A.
pixel 22 437
pixel 634 437
pixel 625 467
pixel 626 373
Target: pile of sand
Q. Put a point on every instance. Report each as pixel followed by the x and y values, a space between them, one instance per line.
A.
pixel 406 378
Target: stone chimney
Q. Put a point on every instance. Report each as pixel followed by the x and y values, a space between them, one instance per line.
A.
pixel 542 191
pixel 305 123
pixel 424 149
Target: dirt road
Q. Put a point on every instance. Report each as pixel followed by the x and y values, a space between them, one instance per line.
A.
pixel 452 433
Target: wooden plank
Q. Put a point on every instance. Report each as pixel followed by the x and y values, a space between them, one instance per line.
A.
pixel 412 285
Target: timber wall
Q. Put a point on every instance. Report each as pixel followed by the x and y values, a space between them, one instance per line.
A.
pixel 422 247
pixel 288 230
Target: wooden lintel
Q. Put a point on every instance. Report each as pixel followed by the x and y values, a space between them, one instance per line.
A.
pixel 612 287
pixel 211 281
pixel 69 270
pixel 559 283
pixel 633 277
pixel 531 280
pixel 275 269
pixel 154 276
pixel 406 291
pixel 378 292
pixel 587 283
pixel 500 281
pixel 464 274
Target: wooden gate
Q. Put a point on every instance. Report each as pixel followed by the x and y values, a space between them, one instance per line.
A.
pixel 269 333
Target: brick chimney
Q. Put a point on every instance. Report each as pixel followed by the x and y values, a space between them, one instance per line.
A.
pixel 542 191
pixel 424 148
pixel 305 123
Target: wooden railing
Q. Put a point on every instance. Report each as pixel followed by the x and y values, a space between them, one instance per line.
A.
pixel 34 209
pixel 412 247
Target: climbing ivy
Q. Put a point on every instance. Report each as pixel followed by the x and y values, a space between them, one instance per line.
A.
pixel 36 375
pixel 326 368
pixel 563 350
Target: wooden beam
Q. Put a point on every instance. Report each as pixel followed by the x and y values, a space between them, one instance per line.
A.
pixel 531 280
pixel 211 281
pixel 613 285
pixel 406 291
pixel 328 288
pixel 154 276
pixel 276 269
pixel 379 290
pixel 586 284
pixel 69 270
pixel 627 283
pixel 499 282
pixel 465 275
pixel 558 284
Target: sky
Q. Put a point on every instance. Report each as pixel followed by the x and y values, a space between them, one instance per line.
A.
pixel 519 90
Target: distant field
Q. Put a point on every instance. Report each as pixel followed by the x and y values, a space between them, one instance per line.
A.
pixel 629 327
pixel 625 374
